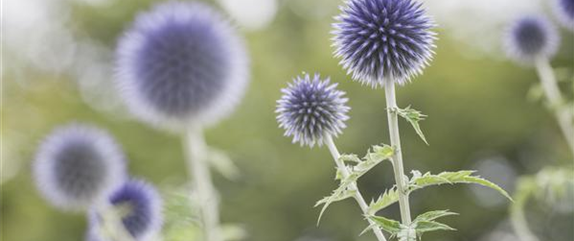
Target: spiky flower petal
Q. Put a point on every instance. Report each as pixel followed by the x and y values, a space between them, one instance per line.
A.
pixel 530 38
pixel 141 209
pixel 180 63
pixel 78 166
pixel 311 109
pixel 383 40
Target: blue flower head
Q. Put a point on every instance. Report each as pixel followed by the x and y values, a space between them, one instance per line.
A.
pixel 312 109
pixel 180 63
pixel 531 38
pixel 141 207
pixel 564 9
pixel 78 166
pixel 383 40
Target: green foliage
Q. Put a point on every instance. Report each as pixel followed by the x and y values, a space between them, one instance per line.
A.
pixel 413 116
pixel 425 222
pixel 386 199
pixel 419 180
pixel 181 221
pixel 347 186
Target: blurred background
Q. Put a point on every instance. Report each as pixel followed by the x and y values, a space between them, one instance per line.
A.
pixel 483 115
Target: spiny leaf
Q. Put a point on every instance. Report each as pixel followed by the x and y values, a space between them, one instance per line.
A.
pixel 389 225
pixel 350 158
pixel 418 182
pixel 339 194
pixel 413 116
pixel 386 199
pixel 429 226
pixel 432 215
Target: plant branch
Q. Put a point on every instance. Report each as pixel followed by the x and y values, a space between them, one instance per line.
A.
pixel 112 224
pixel 398 168
pixel 358 197
pixel 562 113
pixel 196 153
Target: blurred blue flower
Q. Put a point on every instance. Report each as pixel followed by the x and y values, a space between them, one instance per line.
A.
pixel 311 109
pixel 141 207
pixel 180 63
pixel 383 40
pixel 78 166
pixel 530 38
pixel 564 10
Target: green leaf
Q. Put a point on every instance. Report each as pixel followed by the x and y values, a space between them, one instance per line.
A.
pixel 389 225
pixel 386 199
pixel 432 215
pixel 421 181
pixel 429 226
pixel 350 158
pixel 413 116
pixel 339 194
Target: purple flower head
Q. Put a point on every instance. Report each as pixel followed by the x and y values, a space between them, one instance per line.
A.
pixel 531 38
pixel 564 9
pixel 141 207
pixel 78 166
pixel 311 109
pixel 181 63
pixel 383 40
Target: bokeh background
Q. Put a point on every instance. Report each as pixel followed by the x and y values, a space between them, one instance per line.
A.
pixel 483 115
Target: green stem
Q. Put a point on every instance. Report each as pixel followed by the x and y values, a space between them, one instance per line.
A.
pixel 524 190
pixel 358 197
pixel 196 152
pixel 398 168
pixel 562 113
pixel 112 226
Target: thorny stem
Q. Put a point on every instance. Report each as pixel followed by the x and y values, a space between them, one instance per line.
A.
pixel 398 168
pixel 562 113
pixel 198 168
pixel 358 197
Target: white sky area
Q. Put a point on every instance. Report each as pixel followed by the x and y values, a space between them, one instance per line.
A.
pixel 480 23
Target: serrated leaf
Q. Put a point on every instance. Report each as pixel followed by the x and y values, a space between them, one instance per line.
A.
pixel 389 225
pixel 413 116
pixel 432 215
pixel 339 194
pixel 386 199
pixel 429 226
pixel 418 182
pixel 350 158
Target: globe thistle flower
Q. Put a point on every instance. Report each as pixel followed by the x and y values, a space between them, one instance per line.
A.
pixel 383 40
pixel 564 10
pixel 180 63
pixel 531 38
pixel 140 207
pixel 312 109
pixel 78 166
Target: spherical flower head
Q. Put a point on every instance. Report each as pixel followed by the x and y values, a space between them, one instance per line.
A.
pixel 564 10
pixel 531 38
pixel 383 40
pixel 78 166
pixel 311 109
pixel 180 63
pixel 141 208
